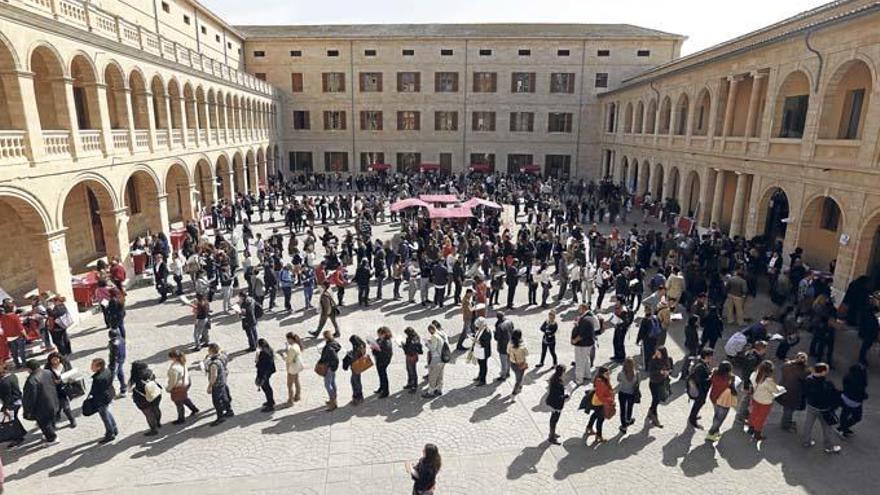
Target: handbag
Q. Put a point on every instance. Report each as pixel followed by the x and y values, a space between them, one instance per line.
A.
pixel 665 390
pixel 830 417
pixel 609 410
pixel 89 407
pixel 361 364
pixel 11 430
pixel 65 321
pixel 179 393
pixel 637 396
pixel 726 399
pixel 321 369
pixel 152 390
pixel 75 389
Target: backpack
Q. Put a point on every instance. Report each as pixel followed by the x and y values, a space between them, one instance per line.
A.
pixel 694 390
pixel 258 311
pixel 445 353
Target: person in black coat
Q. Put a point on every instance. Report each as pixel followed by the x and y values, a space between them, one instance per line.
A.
pixel 869 329
pixel 362 279
pixel 100 396
pixel 10 400
pixel 440 278
pixel 511 276
pixel 142 377
pixel 503 329
pixel 382 354
pixel 160 277
pixel 265 370
pixel 555 400
pixel 40 399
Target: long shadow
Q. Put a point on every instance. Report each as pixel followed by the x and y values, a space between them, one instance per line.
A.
pixel 173 435
pixel 578 460
pixel 497 405
pixel 526 462
pixel 677 447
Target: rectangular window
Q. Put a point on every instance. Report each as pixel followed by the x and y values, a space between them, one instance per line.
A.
pixel 485 82
pixel 408 52
pixel 562 82
pixel 485 52
pixel 371 120
pixel 335 161
pixel 166 7
pixel 296 53
pixel 332 53
pixel 643 53
pixel 601 79
pixel 408 162
pixel 333 82
pixel 522 82
pixel 483 162
pixel 516 162
pixel 559 122
pixel 445 121
pixel 483 122
pixel 369 159
pixel 204 30
pixel 558 166
pixel 259 53
pixel 409 121
pixel 603 53
pixel 371 82
pixel 300 161
pixel 260 75
pixel 522 121
pixel 296 82
pixel 334 120
pixel 794 116
pixel 229 46
pixel 562 52
pixel 369 53
pixel 301 120
pixel 446 52
pixel 446 82
pixel 186 20
pixel 852 114
pixel 409 82
pixel 524 52
pixel 217 38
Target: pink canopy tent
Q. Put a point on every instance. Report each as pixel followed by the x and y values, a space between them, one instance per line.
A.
pixel 408 203
pixel 456 212
pixel 439 198
pixel 474 202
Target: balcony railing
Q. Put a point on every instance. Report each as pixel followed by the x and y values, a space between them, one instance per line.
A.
pixel 191 136
pixel 91 140
pixel 177 137
pixel 86 15
pixel 13 146
pixel 120 139
pixel 57 142
pixel 141 139
pixel 162 138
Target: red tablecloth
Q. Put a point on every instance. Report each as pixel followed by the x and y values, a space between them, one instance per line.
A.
pixel 84 289
pixel 139 260
pixel 177 237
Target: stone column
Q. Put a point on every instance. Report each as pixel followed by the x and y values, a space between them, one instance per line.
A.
pixel 115 224
pixel 728 109
pixel 757 77
pixel 73 124
pixel 707 187
pixel 129 112
pixel 30 117
pixel 739 201
pixel 718 198
pixel 151 121
pixel 168 121
pixel 216 114
pixel 184 123
pixel 192 212
pixel 230 194
pixel 164 223
pixel 104 112
pixel 53 268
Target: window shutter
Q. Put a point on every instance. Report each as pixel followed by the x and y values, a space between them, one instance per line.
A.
pixel 494 82
pixel 342 81
pixel 436 121
pixel 418 125
pixel 455 82
pixel 570 85
pixel 513 82
pixel 326 120
pixel 379 82
pixel 324 82
pixel 476 85
pixel 362 81
pixel 399 121
pixel 531 121
pixel 399 81
pixel 418 81
pixel 454 121
pixel 437 88
pixel 306 121
pixel 531 82
pixel 363 120
pixel 492 121
pixel 342 124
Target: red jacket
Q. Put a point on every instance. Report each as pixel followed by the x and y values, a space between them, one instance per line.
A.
pixel 11 325
pixel 118 272
pixel 603 392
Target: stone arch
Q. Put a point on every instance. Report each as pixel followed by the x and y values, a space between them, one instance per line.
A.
pixel 867 250
pixel 639 117
pixel 250 171
pixel 10 92
pixel 178 191
pixel 137 86
pixel 645 179
pixel 49 71
pixel 140 194
pixel 665 120
pixel 703 106
pixel 673 182
pixel 160 110
pixel 238 181
pixel 690 200
pixel 774 213
pixel 682 109
pixel 189 105
pixel 657 177
pixel 205 183
pixel 88 209
pixel 27 262
pixel 822 223
pixel 261 167
pixel 175 96
pixel 628 118
pixel 213 110
pixel 114 79
pixel 85 92
pixel 635 177
pixel 651 117
pixel 792 103
pixel 201 104
pixel 846 101
pixel 222 173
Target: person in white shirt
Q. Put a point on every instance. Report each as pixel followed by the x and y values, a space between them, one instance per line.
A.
pixel 292 354
pixel 178 385
pixel 436 342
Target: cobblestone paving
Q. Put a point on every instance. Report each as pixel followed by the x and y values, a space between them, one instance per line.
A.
pixel 490 442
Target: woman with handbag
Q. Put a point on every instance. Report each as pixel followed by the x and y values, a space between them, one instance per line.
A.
pixel 327 365
pixel 382 355
pixel 517 353
pixel 412 347
pixel 628 393
pixel 10 403
pixel 292 355
pixel 602 402
pixel 178 385
pixel 58 365
pixel 659 368
pixel 202 312
pixel 59 321
pixel 357 353
pixel 147 395
pixel 722 393
pixel 265 363
pixel 424 473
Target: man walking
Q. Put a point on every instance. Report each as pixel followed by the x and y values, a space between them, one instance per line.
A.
pixel 40 399
pixel 698 386
pixel 583 338
pixel 328 311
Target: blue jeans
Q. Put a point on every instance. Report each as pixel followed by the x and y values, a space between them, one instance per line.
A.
pixel 505 365
pixel 308 292
pixel 110 428
pixel 330 384
pixel 357 389
pixel 120 374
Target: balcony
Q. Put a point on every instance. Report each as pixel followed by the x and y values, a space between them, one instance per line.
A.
pixel 91 141
pixel 177 138
pixel 57 143
pixel 162 138
pixel 120 139
pixel 141 140
pixel 13 146
pixel 844 151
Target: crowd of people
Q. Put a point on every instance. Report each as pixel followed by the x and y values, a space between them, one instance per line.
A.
pixel 630 278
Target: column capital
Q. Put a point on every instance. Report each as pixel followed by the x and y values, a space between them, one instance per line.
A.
pixel 162 197
pixel 119 213
pixel 18 73
pixel 51 235
pixel 757 74
pixel 734 78
pixel 737 172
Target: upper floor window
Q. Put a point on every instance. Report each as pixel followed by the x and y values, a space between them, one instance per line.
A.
pixel 483 121
pixel 562 52
pixel 830 215
pixel 408 52
pixel 643 53
pixel 445 82
pixel 166 7
pixel 445 121
pixel 601 79
pixel 522 82
pixel 296 82
pixel 485 82
pixel 332 53
pixel 446 52
pixel 260 75
pixel 333 82
pixel 559 122
pixel 371 120
pixel 204 30
pixel 409 121
pixel 301 120
pixel 217 38
pixel 522 121
pixel 296 53
pixel 603 53
pixel 409 82
pixel 794 116
pixel 369 53
pixel 334 120
pixel 524 52
pixel 485 52
pixel 186 20
pixel 371 82
pixel 259 53
pixel 562 82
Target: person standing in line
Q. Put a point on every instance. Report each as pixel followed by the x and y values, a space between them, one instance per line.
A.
pixel 358 350
pixel 440 278
pixel 659 369
pixel 482 350
pixel 517 352
pixel 179 382
pixel 101 395
pixel 794 372
pixel 511 278
pixel 382 354
pixel 722 394
pixel 160 277
pixel 116 310
pixel 292 355
pixel 362 279
pixel 548 338
pixel 329 360
pixel 307 278
pixel 583 337
pixel 146 395
pixel 248 319
pixel 764 391
pixel 627 392
pixel 14 336
pixel 116 346
pixel 328 311
pixel 10 400
pixel 424 473
pixel 265 364
pixel 601 401
pixel 218 387
pixel 698 385
pixel 412 347
pixel 821 400
pixel 467 316
pixel 555 400
pixel 437 342
pixel 503 329
pixel 397 277
pixel 39 399
pixel 854 394
pixel 285 281
pixel 412 275
pixel 202 312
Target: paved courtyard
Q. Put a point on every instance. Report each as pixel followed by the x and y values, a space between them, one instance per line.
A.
pixel 490 442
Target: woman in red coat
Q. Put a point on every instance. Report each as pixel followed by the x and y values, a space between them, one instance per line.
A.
pixel 602 403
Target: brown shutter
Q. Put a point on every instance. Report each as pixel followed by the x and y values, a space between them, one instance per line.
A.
pixel 531 121
pixel 418 80
pixel 494 84
pixel 492 121
pixel 379 82
pixel 454 121
pixel 513 82
pixel 399 81
pixel 399 121
pixel 512 121
pixel 379 124
pixel 571 83
pixel 531 82
pixel 418 121
pixel 455 82
pixel 342 81
pixel 474 121
pixel 326 120
pixel 324 84
pixel 436 121
pixel 342 117
pixel 476 87
pixel 361 81
pixel 306 121
pixel 363 120
pixel 437 82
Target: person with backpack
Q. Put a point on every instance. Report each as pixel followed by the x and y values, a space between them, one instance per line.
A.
pixel 555 400
pixel 698 386
pixel 249 315
pixel 147 395
pixel 439 354
pixel 217 384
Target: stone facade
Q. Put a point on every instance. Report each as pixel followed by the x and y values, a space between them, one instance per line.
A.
pixel 779 124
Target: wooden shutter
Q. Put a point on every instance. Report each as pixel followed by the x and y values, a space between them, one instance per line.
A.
pixel 493 86
pixel 296 82
pixel 399 121
pixel 341 81
pixel 418 116
pixel 379 82
pixel 492 121
pixel 362 79
pixel 570 86
pixel 513 82
pixel 342 121
pixel 363 120
pixel 399 82
pixel 531 119
pixel 324 82
pixel 437 121
pixel 476 85
pixel 326 120
pixel 455 82
pixel 437 88
pixel 418 81
pixel 513 121
pixel 531 82
pixel 454 121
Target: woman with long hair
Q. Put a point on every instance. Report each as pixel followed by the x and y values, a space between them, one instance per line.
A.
pixel 764 391
pixel 722 393
pixel 555 400
pixel 265 362
pixel 659 368
pixel 548 340
pixel 601 402
pixel 412 347
pixel 178 385
pixel 627 392
pixel 424 473
pixel 517 353
pixel 292 355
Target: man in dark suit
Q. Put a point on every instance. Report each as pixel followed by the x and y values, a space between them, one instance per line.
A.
pixel 160 277
pixel 40 399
